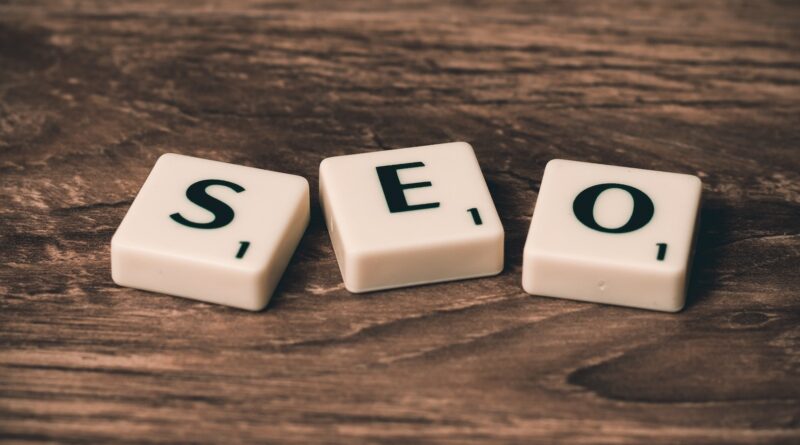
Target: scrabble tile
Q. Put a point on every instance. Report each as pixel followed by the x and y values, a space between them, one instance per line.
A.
pixel 410 216
pixel 612 235
pixel 210 231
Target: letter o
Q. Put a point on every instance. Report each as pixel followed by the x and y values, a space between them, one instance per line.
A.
pixel 642 213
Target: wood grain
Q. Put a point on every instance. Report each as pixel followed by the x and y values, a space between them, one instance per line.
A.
pixel 91 93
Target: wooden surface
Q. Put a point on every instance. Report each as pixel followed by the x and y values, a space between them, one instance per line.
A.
pixel 92 93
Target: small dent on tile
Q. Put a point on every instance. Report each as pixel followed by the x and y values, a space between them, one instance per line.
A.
pixel 601 285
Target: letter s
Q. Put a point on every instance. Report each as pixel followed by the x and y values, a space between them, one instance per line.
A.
pixel 196 193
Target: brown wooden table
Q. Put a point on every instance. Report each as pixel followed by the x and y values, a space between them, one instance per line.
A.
pixel 91 93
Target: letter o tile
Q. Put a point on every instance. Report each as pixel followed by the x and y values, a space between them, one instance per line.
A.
pixel 641 260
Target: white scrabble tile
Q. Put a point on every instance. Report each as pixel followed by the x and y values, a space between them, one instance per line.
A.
pixel 410 216
pixel 210 231
pixel 612 235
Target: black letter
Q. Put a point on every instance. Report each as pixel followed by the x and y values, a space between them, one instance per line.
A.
pixel 196 193
pixel 643 208
pixel 393 189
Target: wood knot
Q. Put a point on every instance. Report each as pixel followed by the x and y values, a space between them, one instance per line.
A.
pixel 749 319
